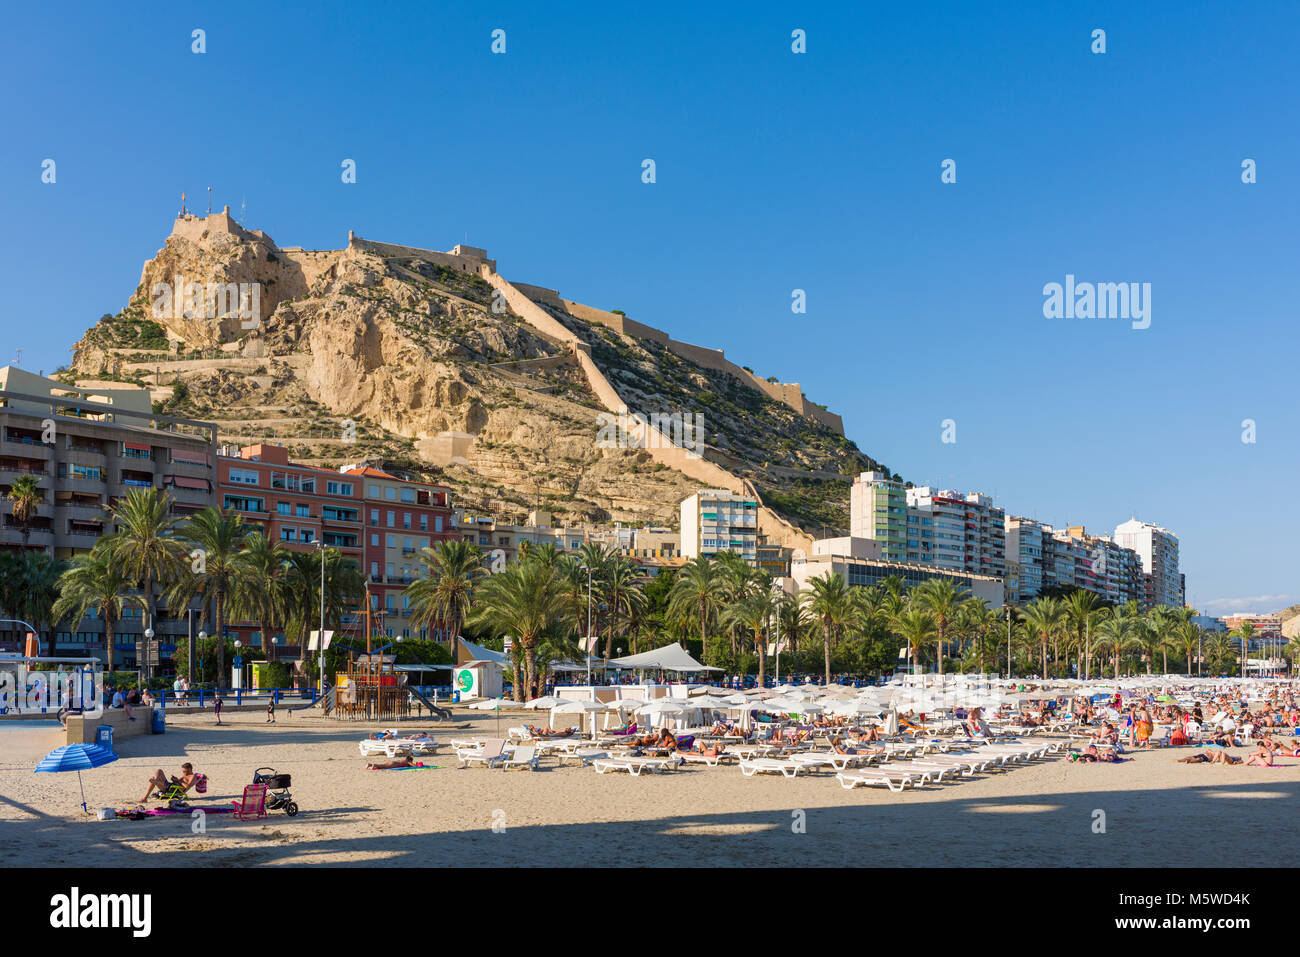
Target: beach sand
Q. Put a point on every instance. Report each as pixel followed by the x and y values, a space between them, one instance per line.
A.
pixel 1156 812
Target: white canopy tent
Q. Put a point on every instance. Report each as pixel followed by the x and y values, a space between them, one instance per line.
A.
pixel 668 658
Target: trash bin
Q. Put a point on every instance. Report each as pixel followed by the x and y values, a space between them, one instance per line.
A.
pixel 104 736
pixel 159 721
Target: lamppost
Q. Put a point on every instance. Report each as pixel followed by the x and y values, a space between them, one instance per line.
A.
pixel 148 653
pixel 30 628
pixel 588 570
pixel 319 544
pixel 1008 642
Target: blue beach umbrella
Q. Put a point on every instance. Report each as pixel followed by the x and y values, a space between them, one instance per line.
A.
pixel 76 757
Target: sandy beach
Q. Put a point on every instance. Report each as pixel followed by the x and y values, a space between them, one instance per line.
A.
pixel 1157 813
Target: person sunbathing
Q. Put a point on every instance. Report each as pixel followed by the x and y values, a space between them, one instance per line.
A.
pixel 871 734
pixel 1209 757
pixel 715 750
pixel 382 735
pixel 404 762
pixel 160 781
pixel 1263 756
pixel 839 748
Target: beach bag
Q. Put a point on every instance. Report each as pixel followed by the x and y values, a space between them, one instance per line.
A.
pixel 201 784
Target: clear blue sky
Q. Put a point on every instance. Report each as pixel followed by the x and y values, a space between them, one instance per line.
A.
pixel 775 171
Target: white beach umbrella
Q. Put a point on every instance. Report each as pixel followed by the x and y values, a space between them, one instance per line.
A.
pixel 543 704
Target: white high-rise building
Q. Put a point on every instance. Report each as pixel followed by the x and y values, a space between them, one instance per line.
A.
pixel 1158 549
pixel 717 520
pixel 955 530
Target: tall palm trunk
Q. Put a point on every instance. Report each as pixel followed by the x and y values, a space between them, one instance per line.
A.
pixel 826 645
pixel 941 644
pixel 761 647
pixel 110 620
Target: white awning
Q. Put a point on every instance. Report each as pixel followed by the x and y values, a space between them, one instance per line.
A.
pixel 670 658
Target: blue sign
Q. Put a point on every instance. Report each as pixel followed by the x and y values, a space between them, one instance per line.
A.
pixel 238 662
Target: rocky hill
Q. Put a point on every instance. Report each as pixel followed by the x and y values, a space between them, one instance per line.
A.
pixel 435 364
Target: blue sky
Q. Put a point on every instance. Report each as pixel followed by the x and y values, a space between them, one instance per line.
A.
pixel 775 171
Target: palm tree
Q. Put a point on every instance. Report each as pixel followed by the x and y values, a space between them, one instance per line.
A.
pixel 1187 638
pixel 217 539
pixel 526 601
pixel 145 543
pixel 446 591
pixel 976 620
pixel 40 584
pixel 754 612
pixel 344 590
pixel 698 591
pixel 1081 608
pixel 24 495
pixel 1245 633
pixel 1116 629
pixel 829 601
pixel 94 584
pixel 915 626
pixel 1044 618
pixel 259 590
pixel 623 581
pixel 941 598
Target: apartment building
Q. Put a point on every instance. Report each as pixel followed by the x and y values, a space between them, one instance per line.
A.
pixel 717 520
pixel 401 517
pixel 1264 625
pixel 88 447
pixel 957 531
pixel 296 505
pixel 504 539
pixel 858 561
pixel 878 511
pixel 1109 569
pixel 1157 548
pixel 1024 538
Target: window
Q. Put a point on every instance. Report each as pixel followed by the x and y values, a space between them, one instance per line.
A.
pixel 308 485
pixel 374 539
pixel 392 541
pixel 288 534
pixel 282 508
pixel 242 503
pixel 374 516
pixel 408 495
pixel 390 494
pixel 302 511
pixel 392 519
pixel 406 520
pixel 306 535
pixel 424 523
pixel 406 545
pixel 372 491
pixel 388 570
pixel 243 477
pixel 437 523
pixel 374 570
pixel 339 488
pixel 390 603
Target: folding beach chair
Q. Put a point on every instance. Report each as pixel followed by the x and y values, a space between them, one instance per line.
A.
pixel 252 805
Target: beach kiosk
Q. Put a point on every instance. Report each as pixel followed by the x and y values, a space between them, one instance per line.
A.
pixel 478 679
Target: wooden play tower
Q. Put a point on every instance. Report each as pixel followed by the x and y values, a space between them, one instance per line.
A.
pixel 371 690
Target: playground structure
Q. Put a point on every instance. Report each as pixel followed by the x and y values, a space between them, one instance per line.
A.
pixel 371 689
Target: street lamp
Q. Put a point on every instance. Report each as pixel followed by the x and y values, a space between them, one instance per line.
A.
pixel 320 653
pixel 588 570
pixel 148 647
pixel 1008 642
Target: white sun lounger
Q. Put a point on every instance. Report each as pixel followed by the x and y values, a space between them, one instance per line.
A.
pixel 634 765
pixel 966 766
pixel 712 760
pixel 583 756
pixel 782 766
pixel 522 757
pixel 894 780
pixel 392 747
pixel 488 755
pixel 834 759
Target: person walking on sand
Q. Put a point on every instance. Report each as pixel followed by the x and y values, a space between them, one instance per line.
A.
pixel 270 709
pixel 216 705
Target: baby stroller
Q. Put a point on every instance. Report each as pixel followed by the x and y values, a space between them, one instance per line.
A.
pixel 277 790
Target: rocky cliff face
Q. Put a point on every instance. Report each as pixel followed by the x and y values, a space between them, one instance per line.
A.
pixel 352 354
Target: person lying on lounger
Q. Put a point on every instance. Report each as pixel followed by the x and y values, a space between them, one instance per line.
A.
pixel 839 747
pixel 1209 757
pixel 160 781
pixel 406 762
pixel 710 751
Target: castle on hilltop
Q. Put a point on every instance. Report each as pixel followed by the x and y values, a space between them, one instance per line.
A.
pixel 525 299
